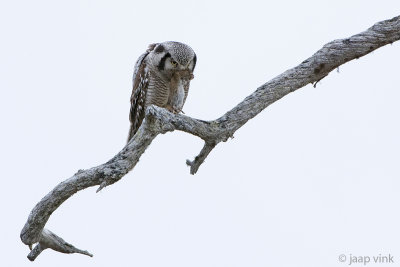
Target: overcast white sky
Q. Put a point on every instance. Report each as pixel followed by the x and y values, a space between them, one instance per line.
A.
pixel 316 175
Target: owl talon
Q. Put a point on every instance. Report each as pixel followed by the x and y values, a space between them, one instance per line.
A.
pixel 172 110
pixel 176 111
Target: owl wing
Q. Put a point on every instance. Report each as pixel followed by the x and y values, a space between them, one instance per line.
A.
pixel 186 82
pixel 186 85
pixel 138 97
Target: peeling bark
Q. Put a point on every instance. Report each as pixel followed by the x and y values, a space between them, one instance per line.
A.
pixel 159 121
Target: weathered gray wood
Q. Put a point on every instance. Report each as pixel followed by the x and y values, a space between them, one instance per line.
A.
pixel 159 121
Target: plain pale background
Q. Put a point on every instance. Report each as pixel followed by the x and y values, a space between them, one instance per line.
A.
pixel 313 176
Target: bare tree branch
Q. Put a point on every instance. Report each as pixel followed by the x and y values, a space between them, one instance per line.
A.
pixel 159 121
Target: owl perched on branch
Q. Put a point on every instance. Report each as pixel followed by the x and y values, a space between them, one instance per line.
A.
pixel 162 77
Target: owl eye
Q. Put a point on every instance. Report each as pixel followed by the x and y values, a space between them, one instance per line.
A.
pixel 174 63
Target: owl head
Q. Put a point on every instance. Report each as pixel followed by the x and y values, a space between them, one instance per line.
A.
pixel 169 57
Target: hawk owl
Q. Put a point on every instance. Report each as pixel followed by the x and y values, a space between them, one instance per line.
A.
pixel 161 77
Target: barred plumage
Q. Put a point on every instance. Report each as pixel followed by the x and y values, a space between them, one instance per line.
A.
pixel 162 77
